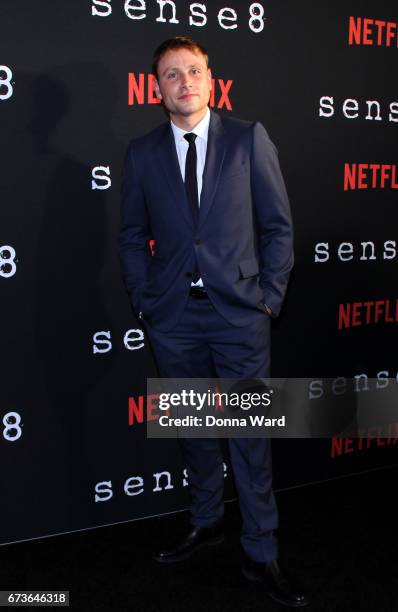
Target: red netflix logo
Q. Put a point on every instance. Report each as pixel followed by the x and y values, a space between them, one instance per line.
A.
pixel 141 90
pixel 364 440
pixel 364 31
pixel 374 176
pixel 144 408
pixel 367 313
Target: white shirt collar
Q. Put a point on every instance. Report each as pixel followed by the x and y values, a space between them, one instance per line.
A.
pixel 201 130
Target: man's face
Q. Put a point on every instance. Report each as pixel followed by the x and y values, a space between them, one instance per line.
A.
pixel 184 84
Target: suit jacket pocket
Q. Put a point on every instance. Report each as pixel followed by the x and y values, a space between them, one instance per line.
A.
pixel 248 267
pixel 234 172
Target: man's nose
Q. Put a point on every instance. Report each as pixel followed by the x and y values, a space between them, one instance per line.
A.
pixel 186 80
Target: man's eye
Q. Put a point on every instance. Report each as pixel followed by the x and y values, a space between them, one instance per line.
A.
pixel 171 75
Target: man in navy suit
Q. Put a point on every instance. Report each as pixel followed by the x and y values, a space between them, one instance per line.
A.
pixel 209 191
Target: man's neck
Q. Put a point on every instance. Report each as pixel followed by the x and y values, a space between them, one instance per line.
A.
pixel 188 123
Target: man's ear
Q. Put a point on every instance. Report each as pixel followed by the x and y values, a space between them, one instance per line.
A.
pixel 157 90
pixel 209 77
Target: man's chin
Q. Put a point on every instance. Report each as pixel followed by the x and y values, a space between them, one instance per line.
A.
pixel 190 109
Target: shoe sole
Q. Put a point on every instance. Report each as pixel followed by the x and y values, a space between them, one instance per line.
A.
pixel 183 556
pixel 273 596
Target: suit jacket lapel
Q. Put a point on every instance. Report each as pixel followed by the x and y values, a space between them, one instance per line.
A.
pixel 167 156
pixel 214 160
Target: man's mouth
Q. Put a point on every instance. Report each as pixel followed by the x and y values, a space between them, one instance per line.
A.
pixel 187 96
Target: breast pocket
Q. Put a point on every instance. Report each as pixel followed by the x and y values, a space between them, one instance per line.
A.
pixel 234 172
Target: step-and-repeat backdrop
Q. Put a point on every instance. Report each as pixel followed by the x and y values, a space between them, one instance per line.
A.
pixel 75 87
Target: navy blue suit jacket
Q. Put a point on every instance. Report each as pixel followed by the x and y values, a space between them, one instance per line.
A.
pixel 242 241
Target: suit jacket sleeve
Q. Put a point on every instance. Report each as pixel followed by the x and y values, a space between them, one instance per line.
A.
pixel 134 233
pixel 273 218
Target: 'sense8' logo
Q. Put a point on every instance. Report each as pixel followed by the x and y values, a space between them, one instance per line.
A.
pixel 8 265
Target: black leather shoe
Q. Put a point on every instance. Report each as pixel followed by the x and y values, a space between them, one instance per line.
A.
pixel 198 537
pixel 276 584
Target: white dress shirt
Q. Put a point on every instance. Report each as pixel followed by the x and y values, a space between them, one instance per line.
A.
pixel 201 130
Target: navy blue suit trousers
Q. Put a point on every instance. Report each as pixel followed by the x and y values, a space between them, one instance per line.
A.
pixel 204 345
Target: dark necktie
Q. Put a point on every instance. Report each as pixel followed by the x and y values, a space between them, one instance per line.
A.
pixel 191 187
pixel 191 181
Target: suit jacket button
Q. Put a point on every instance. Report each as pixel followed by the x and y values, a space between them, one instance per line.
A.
pixel 197 241
pixel 140 315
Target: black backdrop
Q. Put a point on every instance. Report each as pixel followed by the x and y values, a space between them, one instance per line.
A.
pixel 74 363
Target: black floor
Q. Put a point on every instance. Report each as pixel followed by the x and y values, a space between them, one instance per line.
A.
pixel 339 540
